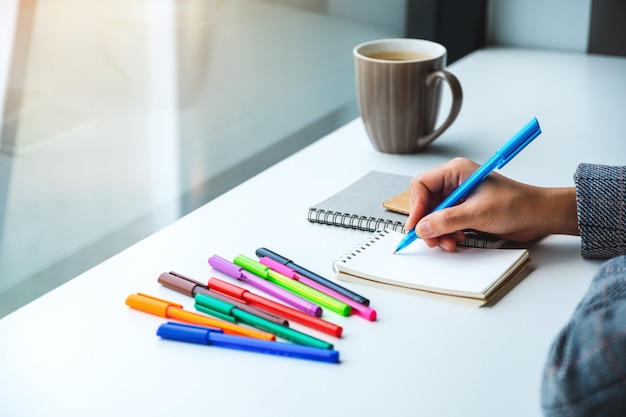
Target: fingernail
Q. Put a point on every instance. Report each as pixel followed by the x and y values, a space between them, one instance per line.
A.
pixel 445 245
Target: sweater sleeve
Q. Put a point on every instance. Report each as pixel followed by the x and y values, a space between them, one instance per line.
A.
pixel 601 205
pixel 585 373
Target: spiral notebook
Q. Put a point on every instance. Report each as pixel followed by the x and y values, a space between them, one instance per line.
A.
pixel 378 200
pixel 469 275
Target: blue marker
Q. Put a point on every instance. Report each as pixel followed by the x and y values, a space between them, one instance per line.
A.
pixel 209 336
pixel 500 159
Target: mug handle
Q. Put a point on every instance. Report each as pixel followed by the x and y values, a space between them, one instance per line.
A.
pixel 455 108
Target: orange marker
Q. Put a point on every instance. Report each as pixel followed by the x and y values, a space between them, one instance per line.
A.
pixel 164 308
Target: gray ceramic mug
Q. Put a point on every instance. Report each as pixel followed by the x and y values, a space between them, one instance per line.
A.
pixel 398 84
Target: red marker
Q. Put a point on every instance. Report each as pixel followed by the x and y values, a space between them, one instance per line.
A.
pixel 282 310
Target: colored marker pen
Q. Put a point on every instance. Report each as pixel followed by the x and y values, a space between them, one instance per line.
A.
pixel 239 273
pixel 294 286
pixel 213 306
pixel 208 336
pixel 279 309
pixel 261 252
pixel 169 309
pixel 191 287
pixel 357 308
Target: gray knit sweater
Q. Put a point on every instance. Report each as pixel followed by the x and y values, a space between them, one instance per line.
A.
pixel 585 372
pixel 601 201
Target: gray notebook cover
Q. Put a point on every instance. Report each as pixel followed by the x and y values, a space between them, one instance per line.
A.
pixel 360 206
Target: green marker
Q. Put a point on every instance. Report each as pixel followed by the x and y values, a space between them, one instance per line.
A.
pixel 219 308
pixel 293 285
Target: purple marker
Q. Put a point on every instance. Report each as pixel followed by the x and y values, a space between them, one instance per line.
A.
pixel 235 271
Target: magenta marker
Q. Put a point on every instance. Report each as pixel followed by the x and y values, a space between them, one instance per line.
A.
pixel 357 308
pixel 235 271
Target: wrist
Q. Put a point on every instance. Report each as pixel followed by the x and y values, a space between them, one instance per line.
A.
pixel 561 216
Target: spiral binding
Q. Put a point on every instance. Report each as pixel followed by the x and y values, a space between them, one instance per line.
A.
pixel 475 242
pixel 353 221
pixel 360 248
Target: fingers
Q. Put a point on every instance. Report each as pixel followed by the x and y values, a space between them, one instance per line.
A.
pixel 442 222
pixel 438 229
pixel 443 228
pixel 500 206
pixel 425 191
pixel 431 187
pixel 447 242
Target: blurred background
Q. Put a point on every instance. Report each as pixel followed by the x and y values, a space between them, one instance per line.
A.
pixel 119 117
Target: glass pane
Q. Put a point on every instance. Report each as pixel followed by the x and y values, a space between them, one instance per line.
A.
pixel 119 116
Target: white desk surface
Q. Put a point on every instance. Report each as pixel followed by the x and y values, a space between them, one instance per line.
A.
pixel 79 351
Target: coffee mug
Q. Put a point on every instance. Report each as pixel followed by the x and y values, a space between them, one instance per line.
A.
pixel 398 84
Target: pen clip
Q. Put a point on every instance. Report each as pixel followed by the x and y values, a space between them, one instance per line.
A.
pixel 150 304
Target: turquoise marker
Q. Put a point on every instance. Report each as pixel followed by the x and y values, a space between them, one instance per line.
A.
pixel 292 285
pixel 500 159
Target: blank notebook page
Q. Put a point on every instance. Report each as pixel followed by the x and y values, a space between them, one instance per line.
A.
pixel 465 272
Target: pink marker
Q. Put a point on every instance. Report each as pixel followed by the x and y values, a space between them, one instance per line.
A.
pixel 357 308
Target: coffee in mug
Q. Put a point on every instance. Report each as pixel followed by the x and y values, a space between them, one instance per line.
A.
pixel 398 84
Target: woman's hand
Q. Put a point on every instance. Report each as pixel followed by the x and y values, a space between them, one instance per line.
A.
pixel 499 206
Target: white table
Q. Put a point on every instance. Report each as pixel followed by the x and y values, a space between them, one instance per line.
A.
pixel 79 351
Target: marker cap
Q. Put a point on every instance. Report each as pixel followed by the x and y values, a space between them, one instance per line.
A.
pixel 185 333
pixel 264 252
pixel 251 265
pixel 227 288
pixel 214 304
pixel 277 266
pixel 225 266
pixel 150 304
pixel 174 282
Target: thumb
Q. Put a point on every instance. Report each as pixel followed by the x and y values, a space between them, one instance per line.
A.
pixel 440 223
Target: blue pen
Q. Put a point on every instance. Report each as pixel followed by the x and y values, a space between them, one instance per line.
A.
pixel 209 336
pixel 498 160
